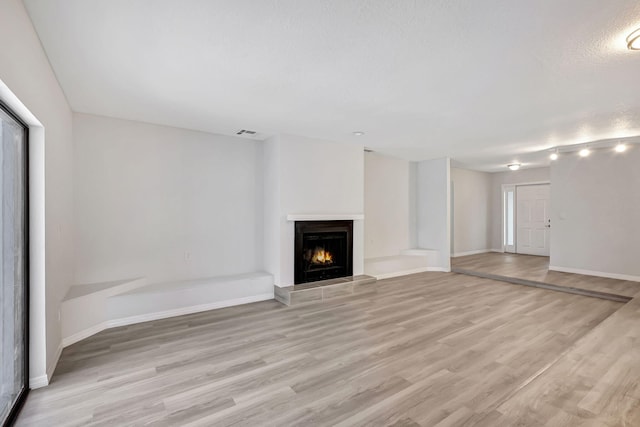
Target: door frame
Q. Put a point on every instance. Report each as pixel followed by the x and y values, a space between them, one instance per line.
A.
pixel 504 188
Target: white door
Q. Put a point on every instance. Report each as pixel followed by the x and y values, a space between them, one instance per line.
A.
pixel 533 223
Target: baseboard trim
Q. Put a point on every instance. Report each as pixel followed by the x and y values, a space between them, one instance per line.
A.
pixel 52 366
pixel 38 382
pixel 187 310
pixel 408 272
pixel 114 323
pixel 549 286
pixel 479 251
pixel 44 380
pixel 497 250
pixel 85 333
pixel 439 269
pixel 399 273
pixel 595 273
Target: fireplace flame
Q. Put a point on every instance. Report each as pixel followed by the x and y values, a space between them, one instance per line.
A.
pixel 321 256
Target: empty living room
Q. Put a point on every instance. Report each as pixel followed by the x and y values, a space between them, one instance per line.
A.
pixel 319 213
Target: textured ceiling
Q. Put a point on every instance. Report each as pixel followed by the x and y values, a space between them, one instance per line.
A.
pixel 484 82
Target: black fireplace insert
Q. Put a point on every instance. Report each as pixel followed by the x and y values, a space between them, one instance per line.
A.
pixel 323 250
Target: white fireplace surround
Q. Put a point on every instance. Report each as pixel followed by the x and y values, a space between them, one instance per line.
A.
pixel 325 217
pixel 306 179
pixel 286 276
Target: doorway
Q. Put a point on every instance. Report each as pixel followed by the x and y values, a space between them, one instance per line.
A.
pixel 14 277
pixel 526 219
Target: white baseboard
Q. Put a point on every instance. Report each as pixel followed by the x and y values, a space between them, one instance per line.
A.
pixel 38 382
pixel 113 323
pixel 595 273
pixel 440 269
pixel 85 333
pixel 400 273
pixel 408 272
pixel 52 366
pixel 44 380
pixel 187 310
pixel 480 251
pixel 497 250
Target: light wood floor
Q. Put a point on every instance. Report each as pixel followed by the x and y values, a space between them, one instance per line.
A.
pixel 536 268
pixel 430 349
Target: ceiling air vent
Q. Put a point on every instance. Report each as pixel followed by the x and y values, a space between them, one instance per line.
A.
pixel 246 132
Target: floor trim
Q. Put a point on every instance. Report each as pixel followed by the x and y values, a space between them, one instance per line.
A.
pixel 466 253
pixel 187 310
pixel 38 382
pixel 551 287
pixel 52 366
pixel 595 273
pixel 114 323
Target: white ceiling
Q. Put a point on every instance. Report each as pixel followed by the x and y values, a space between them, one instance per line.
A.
pixel 484 82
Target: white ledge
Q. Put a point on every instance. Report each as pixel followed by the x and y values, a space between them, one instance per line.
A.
pixel 324 217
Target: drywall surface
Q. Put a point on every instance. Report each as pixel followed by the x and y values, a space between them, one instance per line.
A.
pixel 386 205
pixel 522 176
pixel 433 207
pixel 309 176
pixel 471 193
pixel 26 72
pixel 595 212
pixel 164 203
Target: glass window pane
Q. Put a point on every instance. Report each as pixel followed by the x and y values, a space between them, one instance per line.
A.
pixel 510 218
pixel 13 261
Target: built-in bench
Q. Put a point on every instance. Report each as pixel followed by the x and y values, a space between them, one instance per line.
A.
pixel 410 261
pixel 88 309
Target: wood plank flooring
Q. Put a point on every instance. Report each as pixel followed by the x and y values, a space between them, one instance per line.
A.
pixel 433 349
pixel 536 268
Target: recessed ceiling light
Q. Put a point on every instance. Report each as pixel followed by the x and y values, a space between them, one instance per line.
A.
pixel 633 41
pixel 621 148
pixel 584 152
pixel 358 133
pixel 554 156
pixel 514 166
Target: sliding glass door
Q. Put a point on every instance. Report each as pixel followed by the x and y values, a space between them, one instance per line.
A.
pixel 14 265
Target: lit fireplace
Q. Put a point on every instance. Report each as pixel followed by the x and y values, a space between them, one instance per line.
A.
pixel 323 250
pixel 319 256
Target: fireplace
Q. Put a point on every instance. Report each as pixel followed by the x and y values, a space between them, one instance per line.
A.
pixel 323 250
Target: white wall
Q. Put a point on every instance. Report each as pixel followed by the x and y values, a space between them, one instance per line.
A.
pixel 595 212
pixel 522 176
pixel 309 176
pixel 387 227
pixel 164 203
pixel 471 193
pixel 26 72
pixel 433 186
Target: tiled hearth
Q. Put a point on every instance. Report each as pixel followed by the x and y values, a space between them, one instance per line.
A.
pixel 325 290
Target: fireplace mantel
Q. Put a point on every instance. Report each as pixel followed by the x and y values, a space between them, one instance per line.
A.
pixel 324 217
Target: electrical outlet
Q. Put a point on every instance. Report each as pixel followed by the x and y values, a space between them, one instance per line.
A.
pixel 187 256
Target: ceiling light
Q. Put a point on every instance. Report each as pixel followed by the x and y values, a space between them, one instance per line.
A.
pixel 358 133
pixel 514 166
pixel 554 156
pixel 633 41
pixel 584 152
pixel 621 148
